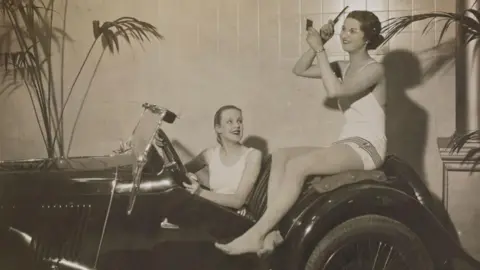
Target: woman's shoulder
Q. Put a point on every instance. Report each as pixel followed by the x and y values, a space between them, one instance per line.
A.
pixel 208 152
pixel 253 154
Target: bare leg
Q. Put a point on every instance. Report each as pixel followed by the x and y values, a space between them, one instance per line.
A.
pixel 280 158
pixel 271 241
pixel 323 161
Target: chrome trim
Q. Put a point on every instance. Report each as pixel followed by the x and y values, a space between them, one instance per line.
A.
pixel 57 261
pixel 142 160
pixel 24 236
pixel 114 183
pixel 167 225
pixel 70 264
pixel 147 186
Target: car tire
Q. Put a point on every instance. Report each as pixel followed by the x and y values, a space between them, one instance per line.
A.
pixel 364 229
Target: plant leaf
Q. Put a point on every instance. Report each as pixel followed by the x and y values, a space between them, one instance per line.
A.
pixel 126 28
pixel 444 30
pixel 108 39
pixel 395 25
pixel 474 12
pixel 458 141
pixel 471 153
pixel 96 29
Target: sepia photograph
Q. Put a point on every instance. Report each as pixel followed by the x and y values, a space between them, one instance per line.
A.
pixel 239 134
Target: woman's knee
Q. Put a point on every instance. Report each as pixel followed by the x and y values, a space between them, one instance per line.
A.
pixel 302 166
pixel 296 169
pixel 280 156
pixel 288 153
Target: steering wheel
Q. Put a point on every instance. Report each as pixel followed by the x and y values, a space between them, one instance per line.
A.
pixel 168 146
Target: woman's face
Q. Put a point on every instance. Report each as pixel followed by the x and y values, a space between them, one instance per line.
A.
pixel 351 36
pixel 231 125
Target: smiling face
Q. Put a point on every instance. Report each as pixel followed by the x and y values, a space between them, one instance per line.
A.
pixel 231 125
pixel 352 37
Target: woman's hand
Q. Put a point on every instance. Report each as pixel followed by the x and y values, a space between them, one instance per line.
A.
pixel 194 187
pixel 316 39
pixel 327 30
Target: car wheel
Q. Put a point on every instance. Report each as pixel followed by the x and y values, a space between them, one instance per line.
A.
pixel 370 242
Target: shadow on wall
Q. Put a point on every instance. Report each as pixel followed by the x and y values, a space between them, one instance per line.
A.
pixel 258 143
pixel 407 121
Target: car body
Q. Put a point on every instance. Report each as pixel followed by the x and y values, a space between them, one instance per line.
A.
pixel 130 210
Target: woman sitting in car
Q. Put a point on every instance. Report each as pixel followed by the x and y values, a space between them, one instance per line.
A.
pixel 233 168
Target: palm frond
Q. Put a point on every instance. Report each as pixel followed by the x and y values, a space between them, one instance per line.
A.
pixel 469 24
pixel 8 83
pixel 458 142
pixel 29 40
pixel 444 29
pixel 31 28
pixel 474 12
pixel 126 28
pixel 473 155
pixel 21 65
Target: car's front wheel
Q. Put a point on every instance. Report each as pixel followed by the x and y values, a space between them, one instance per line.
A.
pixel 370 242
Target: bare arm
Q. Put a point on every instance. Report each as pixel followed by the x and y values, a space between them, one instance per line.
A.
pixel 250 175
pixel 304 68
pixel 359 82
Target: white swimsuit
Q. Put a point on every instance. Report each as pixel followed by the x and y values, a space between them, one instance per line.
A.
pixel 364 128
pixel 225 179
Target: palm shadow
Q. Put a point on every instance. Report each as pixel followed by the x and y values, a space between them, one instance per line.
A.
pixel 406 120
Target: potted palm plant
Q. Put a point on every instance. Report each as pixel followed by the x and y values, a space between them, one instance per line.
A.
pixel 468 24
pixel 28 41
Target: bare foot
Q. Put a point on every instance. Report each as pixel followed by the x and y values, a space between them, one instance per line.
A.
pixel 272 240
pixel 246 243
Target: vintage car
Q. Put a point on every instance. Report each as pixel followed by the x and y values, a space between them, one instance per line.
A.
pixel 130 211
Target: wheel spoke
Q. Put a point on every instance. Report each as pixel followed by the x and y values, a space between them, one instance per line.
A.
pixel 379 247
pixel 368 254
pixel 370 242
pixel 359 255
pixel 387 260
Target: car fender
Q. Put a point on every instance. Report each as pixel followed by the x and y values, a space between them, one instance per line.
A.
pixel 15 249
pixel 18 252
pixel 359 199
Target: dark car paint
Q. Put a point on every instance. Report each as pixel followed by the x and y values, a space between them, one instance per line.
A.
pixel 179 206
pixel 348 202
pixel 82 214
pixel 46 199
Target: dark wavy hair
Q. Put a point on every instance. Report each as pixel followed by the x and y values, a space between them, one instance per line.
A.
pixel 370 25
pixel 217 119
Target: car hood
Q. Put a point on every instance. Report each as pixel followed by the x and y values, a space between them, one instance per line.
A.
pixel 79 175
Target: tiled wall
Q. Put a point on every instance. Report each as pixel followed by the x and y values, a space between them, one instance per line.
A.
pixel 273 29
pixel 218 52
